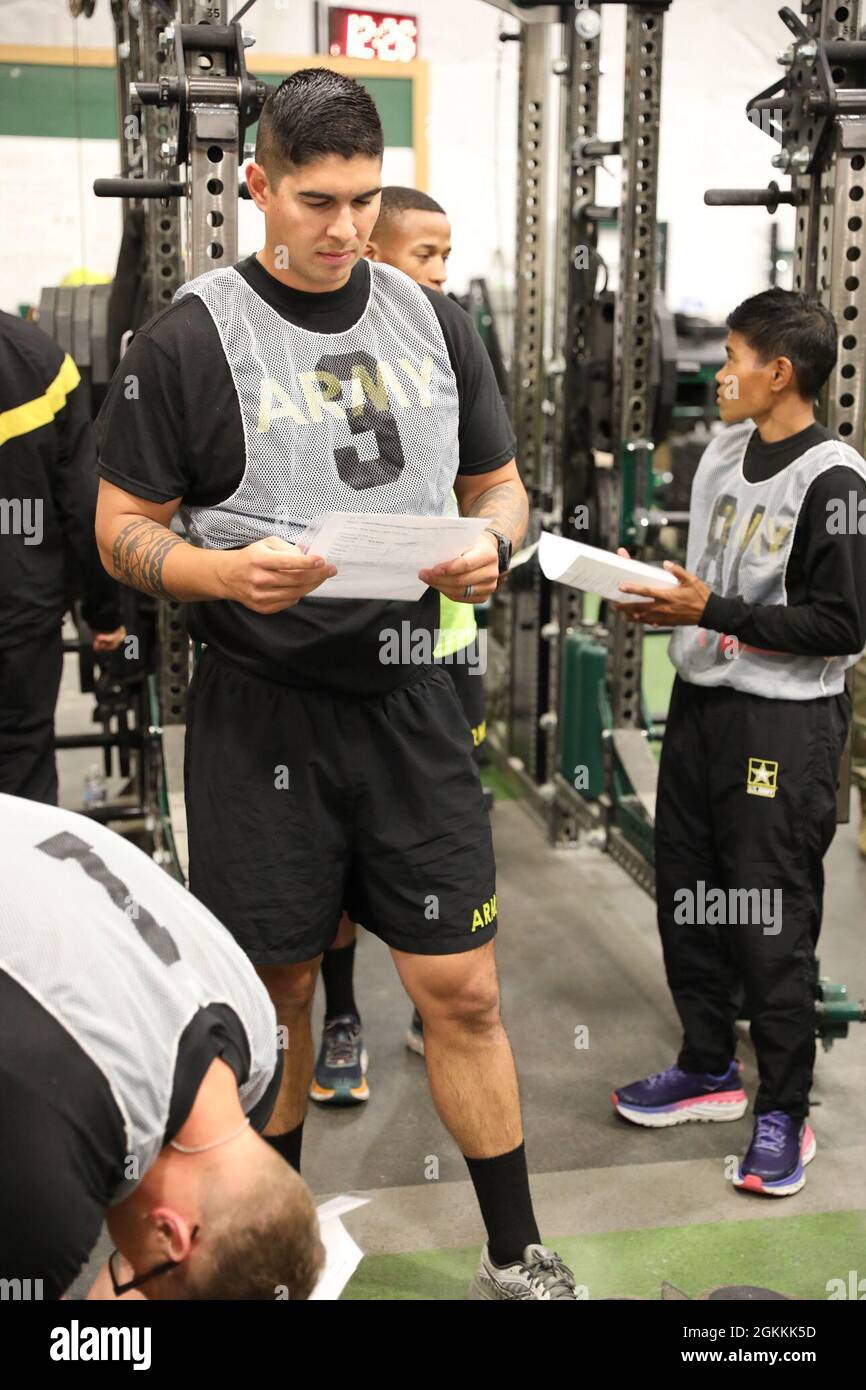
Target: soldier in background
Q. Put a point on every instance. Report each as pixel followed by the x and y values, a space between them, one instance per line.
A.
pixel 47 515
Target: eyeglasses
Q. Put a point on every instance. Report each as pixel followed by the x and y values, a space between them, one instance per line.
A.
pixel 142 1278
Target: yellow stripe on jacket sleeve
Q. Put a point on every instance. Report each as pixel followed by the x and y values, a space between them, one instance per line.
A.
pixel 32 415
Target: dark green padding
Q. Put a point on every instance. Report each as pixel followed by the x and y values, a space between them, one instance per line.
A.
pixel 584 663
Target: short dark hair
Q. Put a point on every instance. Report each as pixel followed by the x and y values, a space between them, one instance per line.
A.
pixel 786 323
pixel 396 199
pixel 314 113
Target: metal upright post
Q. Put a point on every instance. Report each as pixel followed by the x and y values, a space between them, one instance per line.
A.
pixel 533 119
pixel 213 158
pixel 159 138
pixel 571 455
pixel 634 328
pixel 126 32
pixel 628 491
pixel 837 274
pixel 530 601
pixel 208 147
pixel 829 253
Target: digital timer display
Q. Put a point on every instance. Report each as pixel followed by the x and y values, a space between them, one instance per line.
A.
pixel 392 38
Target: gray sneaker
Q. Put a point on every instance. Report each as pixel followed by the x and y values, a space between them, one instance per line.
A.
pixel 415 1035
pixel 540 1274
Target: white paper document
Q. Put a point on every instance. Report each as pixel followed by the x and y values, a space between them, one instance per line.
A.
pixel 379 556
pixel 597 571
pixel 342 1253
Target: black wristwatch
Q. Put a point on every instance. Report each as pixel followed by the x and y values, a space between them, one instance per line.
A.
pixel 505 548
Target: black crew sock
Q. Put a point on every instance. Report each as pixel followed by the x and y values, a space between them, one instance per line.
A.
pixel 502 1188
pixel 288 1145
pixel 338 968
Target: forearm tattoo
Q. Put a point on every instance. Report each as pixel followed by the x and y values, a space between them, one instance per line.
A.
pixel 139 553
pixel 506 507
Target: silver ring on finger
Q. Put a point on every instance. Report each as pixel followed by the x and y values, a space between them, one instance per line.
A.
pixel 469 591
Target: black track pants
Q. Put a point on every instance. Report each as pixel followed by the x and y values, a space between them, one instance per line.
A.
pixel 29 684
pixel 746 801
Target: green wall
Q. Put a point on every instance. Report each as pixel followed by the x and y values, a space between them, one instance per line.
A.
pixel 66 102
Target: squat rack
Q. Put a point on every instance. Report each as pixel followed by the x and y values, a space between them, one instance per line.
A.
pixel 816 113
pixel 586 454
pixel 185 101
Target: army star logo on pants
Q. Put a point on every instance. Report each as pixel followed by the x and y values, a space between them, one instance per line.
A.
pixel 763 777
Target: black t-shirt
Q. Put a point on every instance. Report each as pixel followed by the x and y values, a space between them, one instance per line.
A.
pixel 62 1139
pixel 38 1052
pixel 825 582
pixel 178 433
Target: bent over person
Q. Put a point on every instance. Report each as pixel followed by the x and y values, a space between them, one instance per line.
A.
pixel 138 1059
pixel 319 775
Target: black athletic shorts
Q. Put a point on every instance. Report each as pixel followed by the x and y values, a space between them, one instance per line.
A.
pixel 300 803
pixel 469 685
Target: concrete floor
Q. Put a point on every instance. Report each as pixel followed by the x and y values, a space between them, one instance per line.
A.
pixel 577 946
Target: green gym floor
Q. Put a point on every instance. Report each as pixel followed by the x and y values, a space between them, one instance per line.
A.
pixel 630 1209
